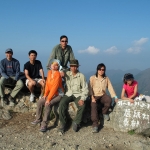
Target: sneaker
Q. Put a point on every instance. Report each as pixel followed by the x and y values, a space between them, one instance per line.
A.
pixel 95 130
pixel 32 98
pixel 106 117
pixel 75 126
pixel 43 128
pixel 35 122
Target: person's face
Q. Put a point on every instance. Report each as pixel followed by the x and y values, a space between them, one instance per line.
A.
pixel 63 42
pixel 74 68
pixel 101 71
pixel 32 56
pixel 54 66
pixel 129 81
pixel 9 55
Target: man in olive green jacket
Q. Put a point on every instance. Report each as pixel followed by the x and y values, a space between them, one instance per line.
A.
pixel 62 52
pixel 77 91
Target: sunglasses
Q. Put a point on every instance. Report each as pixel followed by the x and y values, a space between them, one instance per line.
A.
pixel 102 69
pixel 64 41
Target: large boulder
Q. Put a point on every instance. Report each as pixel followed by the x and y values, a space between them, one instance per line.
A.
pixel 128 116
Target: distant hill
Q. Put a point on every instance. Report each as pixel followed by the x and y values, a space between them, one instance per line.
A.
pixel 143 79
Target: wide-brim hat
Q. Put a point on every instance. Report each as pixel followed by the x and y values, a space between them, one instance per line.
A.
pixel 57 61
pixel 74 62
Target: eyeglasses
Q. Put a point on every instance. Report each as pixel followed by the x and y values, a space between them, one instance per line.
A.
pixel 102 69
pixel 64 41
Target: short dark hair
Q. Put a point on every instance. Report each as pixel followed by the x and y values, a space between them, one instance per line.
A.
pixel 32 51
pixel 127 76
pixel 63 36
pixel 99 66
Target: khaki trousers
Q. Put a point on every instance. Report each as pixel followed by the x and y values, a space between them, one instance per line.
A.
pixel 47 109
pixel 3 81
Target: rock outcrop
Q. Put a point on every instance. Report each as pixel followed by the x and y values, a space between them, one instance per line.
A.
pixel 125 116
pixel 128 116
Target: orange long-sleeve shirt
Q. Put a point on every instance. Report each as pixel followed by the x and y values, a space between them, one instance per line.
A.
pixel 52 85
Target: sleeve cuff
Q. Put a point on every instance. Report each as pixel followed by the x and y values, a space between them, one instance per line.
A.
pixel 115 97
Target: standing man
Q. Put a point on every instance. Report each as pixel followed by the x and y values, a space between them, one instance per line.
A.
pixel 77 91
pixel 34 73
pixel 62 52
pixel 10 70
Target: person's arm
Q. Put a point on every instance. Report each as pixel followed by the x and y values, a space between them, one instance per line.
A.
pixel 123 97
pixel 52 56
pixel 26 72
pixel 91 93
pixel 84 89
pixel 111 90
pixel 68 85
pixel 71 54
pixel 17 70
pixel 46 86
pixel 3 71
pixel 42 74
pixel 135 92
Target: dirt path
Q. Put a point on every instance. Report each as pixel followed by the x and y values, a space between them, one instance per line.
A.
pixel 18 133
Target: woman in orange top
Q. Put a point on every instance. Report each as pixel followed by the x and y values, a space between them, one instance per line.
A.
pixel 51 94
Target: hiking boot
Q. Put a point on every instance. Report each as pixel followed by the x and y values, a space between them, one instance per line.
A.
pixel 106 117
pixel 95 130
pixel 35 122
pixel 75 126
pixel 61 128
pixel 11 101
pixel 32 97
pixel 43 128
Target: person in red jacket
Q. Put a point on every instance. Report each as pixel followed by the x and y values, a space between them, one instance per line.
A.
pixel 51 95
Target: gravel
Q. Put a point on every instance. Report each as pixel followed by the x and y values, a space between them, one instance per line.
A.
pixel 18 133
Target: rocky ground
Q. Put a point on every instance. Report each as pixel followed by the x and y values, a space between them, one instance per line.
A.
pixel 18 133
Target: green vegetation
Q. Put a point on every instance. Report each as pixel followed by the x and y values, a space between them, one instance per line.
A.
pixel 131 132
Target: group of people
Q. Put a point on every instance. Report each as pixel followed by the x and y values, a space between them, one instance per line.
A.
pixel 63 85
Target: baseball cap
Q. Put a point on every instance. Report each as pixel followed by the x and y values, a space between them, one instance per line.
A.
pixel 8 50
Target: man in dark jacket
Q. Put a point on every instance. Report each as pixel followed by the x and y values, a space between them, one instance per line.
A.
pixel 10 70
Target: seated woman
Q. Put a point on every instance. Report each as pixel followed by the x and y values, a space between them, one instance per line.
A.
pixel 51 94
pixel 97 87
pixel 130 88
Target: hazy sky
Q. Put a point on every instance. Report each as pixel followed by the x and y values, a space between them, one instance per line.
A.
pixel 113 32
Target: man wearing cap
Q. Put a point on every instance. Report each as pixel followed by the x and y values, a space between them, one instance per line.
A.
pixel 62 52
pixel 77 91
pixel 10 70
